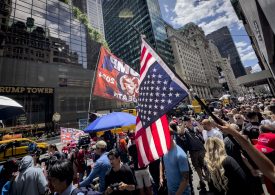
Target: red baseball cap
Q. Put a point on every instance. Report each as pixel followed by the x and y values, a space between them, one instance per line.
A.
pixel 266 143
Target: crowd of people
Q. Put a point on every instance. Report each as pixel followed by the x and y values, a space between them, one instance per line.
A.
pixel 243 165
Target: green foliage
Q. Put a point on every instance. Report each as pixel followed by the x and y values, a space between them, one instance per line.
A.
pixel 93 33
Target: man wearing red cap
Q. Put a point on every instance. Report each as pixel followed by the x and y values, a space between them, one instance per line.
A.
pixel 266 145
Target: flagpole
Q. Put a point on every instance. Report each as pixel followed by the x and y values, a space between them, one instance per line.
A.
pixel 92 84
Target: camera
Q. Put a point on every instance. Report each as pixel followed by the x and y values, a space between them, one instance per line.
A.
pixel 114 186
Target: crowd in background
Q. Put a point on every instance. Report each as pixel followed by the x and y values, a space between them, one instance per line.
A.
pixel 198 145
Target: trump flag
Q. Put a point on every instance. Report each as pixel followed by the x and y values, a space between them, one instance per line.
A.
pixel 160 90
pixel 115 79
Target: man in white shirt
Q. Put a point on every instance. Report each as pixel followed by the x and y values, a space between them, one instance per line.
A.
pixel 211 130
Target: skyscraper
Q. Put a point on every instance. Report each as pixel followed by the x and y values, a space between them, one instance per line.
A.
pixel 223 40
pixel 93 9
pixel 123 40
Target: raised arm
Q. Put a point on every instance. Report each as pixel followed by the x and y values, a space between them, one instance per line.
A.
pixel 263 163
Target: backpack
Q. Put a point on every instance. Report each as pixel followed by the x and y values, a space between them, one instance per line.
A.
pixel 85 191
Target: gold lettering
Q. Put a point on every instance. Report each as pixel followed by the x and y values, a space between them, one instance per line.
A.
pixel 22 89
pixel 8 89
pixel 15 89
pixel 34 90
pixel 29 89
pixel 40 90
pixel 2 89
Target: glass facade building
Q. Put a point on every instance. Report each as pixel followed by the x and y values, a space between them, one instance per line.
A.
pixel 42 30
pixel 43 60
pixel 124 41
pixel 223 40
pixel 43 51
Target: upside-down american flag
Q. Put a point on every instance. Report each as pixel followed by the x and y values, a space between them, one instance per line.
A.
pixel 159 91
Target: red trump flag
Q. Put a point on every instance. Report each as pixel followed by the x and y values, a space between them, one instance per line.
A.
pixel 115 79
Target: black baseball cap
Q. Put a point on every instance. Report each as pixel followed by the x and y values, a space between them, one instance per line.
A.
pixel 186 118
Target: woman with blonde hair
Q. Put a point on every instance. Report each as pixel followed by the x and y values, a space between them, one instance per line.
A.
pixel 226 176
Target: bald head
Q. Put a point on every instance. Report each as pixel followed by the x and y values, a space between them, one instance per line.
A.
pixel 207 124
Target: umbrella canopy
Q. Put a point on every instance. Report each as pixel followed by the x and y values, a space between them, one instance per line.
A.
pixel 9 108
pixel 110 121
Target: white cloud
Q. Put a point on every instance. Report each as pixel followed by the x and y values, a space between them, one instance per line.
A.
pixel 256 68
pixel 241 44
pixel 246 51
pixel 248 56
pixel 210 15
pixel 166 9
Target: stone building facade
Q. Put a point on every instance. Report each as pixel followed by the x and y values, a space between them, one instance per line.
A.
pixel 194 60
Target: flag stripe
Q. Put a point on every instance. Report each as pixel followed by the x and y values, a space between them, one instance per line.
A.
pixel 166 133
pixel 138 127
pixel 151 143
pixel 145 144
pixel 143 58
pixel 157 139
pixel 148 57
pixel 142 53
pixel 142 152
pixel 150 62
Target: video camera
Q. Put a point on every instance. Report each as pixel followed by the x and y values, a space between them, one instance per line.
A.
pixel 84 141
pixel 114 186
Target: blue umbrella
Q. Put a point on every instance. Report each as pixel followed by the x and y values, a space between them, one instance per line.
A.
pixel 111 121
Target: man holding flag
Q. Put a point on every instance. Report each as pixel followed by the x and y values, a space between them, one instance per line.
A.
pixel 159 91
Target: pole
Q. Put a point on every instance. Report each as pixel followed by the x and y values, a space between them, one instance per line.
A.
pixel 92 85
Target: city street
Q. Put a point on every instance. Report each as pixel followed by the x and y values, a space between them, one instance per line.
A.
pixel 123 85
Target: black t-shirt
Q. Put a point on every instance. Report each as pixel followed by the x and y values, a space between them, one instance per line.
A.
pixel 260 116
pixel 237 183
pixel 124 174
pixel 182 142
pixel 234 152
pixel 194 140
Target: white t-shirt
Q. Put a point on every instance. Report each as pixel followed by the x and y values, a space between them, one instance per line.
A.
pixel 215 132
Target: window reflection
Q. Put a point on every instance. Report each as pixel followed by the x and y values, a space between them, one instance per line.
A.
pixel 33 25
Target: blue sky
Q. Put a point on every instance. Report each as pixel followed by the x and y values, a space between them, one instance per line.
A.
pixel 210 15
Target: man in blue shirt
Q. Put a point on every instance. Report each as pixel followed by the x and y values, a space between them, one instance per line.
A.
pixel 100 168
pixel 6 171
pixel 176 169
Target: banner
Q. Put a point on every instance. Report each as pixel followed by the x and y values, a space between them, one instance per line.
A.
pixel 115 79
pixel 70 135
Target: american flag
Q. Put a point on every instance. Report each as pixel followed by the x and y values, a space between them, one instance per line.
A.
pixel 159 91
